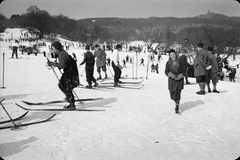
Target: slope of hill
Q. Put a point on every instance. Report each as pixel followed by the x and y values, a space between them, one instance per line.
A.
pixel 132 124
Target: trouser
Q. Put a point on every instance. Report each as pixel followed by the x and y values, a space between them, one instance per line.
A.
pixel 15 51
pixel 117 72
pixel 89 74
pixel 66 89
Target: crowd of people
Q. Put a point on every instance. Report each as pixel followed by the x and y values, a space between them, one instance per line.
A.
pixel 205 71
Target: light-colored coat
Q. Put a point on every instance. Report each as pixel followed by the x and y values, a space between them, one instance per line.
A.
pixel 200 63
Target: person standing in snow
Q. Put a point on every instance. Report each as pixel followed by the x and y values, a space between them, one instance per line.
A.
pixel 183 59
pixel 142 62
pixel 100 61
pixel 70 78
pixel 116 65
pixel 89 68
pixel 174 71
pixel 200 65
pixel 15 46
pixel 212 70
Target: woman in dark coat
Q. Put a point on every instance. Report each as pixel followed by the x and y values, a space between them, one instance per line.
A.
pixel 174 71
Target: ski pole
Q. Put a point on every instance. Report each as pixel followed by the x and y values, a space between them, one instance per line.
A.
pixel 72 90
pixel 82 72
pixel 14 125
pixel 109 70
pixel 3 72
pixel 132 67
pixel 136 65
pixel 148 65
pixel 61 83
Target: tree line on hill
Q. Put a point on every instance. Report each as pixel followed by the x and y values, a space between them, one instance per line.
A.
pixel 211 29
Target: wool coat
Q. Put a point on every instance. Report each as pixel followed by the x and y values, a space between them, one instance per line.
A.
pixel 101 58
pixel 200 63
pixel 177 69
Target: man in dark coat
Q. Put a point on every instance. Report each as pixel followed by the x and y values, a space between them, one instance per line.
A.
pixel 183 59
pixel 70 78
pixel 89 68
pixel 212 70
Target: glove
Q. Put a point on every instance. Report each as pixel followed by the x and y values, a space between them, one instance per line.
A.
pixel 49 63
pixel 171 75
pixel 180 76
pixel 209 67
pixel 119 66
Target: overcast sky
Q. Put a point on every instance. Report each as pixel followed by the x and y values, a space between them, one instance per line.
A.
pixel 79 9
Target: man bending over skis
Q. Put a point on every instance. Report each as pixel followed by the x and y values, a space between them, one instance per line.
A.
pixel 70 78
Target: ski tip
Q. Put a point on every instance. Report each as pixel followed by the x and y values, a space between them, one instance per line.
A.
pixel 2 100
pixel 26 102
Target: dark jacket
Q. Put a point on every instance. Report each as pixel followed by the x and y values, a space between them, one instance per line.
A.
pixel 177 69
pixel 88 59
pixel 184 62
pixel 69 66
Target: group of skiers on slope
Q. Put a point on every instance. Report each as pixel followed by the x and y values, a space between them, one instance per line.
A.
pixel 70 76
pixel 205 69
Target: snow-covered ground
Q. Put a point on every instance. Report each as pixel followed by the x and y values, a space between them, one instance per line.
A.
pixel 135 124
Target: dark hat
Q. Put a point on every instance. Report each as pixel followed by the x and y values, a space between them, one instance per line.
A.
pixel 171 50
pixel 210 48
pixel 87 47
pixel 118 46
pixel 57 45
pixel 200 45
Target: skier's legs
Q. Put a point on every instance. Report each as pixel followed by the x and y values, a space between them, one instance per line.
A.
pixel 88 76
pixel 115 72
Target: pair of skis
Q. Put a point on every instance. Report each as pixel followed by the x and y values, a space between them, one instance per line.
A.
pixel 16 126
pixel 56 102
pixel 125 84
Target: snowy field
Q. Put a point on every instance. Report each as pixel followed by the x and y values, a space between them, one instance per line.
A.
pixel 135 124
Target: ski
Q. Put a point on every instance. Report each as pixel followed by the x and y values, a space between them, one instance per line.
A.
pixel 14 119
pixel 55 109
pixel 135 86
pixel 131 87
pixel 133 78
pixel 125 82
pixel 95 88
pixel 27 124
pixel 59 101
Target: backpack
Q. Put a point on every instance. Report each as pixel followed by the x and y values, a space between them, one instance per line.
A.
pixel 72 74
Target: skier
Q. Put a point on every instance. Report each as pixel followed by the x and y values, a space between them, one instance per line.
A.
pixel 70 78
pixel 15 46
pixel 89 68
pixel 152 68
pixel 100 61
pixel 185 63
pixel 142 62
pixel 116 65
pixel 232 74
pixel 156 68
